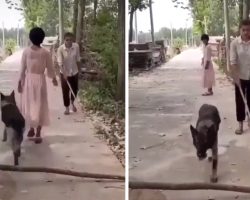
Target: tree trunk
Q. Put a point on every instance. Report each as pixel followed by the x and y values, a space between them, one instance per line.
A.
pixel 79 30
pixel 151 22
pixel 95 10
pixel 245 9
pixel 121 67
pixel 75 14
pixel 240 10
pixel 131 24
pixel 61 28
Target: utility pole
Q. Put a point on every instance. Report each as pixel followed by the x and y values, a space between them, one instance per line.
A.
pixel 17 37
pixel 205 24
pixel 186 34
pixel 3 38
pixel 136 30
pixel 227 36
pixel 151 22
pixel 171 32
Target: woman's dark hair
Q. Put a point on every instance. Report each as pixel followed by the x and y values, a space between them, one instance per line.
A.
pixel 205 37
pixel 68 34
pixel 245 22
pixel 37 35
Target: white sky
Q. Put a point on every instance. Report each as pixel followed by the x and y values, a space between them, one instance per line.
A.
pixel 164 13
pixel 10 17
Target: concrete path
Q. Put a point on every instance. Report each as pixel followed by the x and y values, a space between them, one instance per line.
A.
pixel 163 104
pixel 69 143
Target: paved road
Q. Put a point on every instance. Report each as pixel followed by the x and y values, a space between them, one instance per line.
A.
pixel 69 143
pixel 163 103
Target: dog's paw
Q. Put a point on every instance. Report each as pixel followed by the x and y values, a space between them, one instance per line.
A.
pixel 210 159
pixel 214 179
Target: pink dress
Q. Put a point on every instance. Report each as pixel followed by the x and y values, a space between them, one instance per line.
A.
pixel 34 100
pixel 208 80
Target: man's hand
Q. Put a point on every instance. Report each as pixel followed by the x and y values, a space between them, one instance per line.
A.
pixel 236 78
pixel 20 88
pixel 54 81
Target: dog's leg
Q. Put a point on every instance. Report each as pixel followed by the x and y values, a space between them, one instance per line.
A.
pixel 4 135
pixel 214 177
pixel 16 162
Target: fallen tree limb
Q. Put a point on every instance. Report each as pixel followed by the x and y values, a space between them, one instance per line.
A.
pixel 188 186
pixel 60 171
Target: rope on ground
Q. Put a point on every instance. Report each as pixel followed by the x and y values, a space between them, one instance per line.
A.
pixel 60 171
pixel 188 186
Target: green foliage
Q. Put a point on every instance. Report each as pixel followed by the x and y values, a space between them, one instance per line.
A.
pixel 103 38
pixel 98 98
pixel 45 14
pixel 10 45
pixel 178 43
pixel 137 5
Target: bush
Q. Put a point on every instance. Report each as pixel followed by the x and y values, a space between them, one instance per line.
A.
pixel 10 45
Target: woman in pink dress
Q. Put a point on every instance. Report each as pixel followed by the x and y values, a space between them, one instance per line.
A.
pixel 207 66
pixel 32 84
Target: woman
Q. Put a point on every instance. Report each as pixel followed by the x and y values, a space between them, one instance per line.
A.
pixel 32 84
pixel 207 65
pixel 68 57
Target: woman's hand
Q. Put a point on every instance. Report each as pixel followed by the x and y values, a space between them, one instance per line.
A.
pixel 20 88
pixel 54 81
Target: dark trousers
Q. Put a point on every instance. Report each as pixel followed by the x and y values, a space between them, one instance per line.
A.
pixel 240 106
pixel 67 96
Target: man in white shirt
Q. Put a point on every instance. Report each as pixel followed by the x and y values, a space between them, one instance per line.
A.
pixel 240 70
pixel 68 57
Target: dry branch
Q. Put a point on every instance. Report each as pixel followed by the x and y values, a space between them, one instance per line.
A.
pixel 188 186
pixel 60 171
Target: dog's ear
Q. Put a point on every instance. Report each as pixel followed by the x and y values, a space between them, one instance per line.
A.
pixel 2 95
pixel 12 93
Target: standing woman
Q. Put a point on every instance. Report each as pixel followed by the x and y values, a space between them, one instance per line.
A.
pixel 68 57
pixel 32 84
pixel 207 66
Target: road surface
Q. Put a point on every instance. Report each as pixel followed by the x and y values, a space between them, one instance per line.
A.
pixel 69 143
pixel 163 104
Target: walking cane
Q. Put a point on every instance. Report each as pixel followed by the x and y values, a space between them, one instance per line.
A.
pixel 72 92
pixel 245 102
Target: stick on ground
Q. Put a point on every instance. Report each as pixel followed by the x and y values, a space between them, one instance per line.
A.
pixel 188 186
pixel 60 171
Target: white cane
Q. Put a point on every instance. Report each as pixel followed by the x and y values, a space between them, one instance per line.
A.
pixel 245 102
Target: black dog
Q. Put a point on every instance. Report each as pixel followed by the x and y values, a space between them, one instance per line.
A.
pixel 205 135
pixel 14 124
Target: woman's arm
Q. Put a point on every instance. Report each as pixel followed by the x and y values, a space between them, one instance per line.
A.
pixel 22 71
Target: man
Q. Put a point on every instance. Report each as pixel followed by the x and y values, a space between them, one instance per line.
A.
pixel 240 70
pixel 68 57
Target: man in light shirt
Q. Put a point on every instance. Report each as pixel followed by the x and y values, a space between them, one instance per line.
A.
pixel 68 57
pixel 240 70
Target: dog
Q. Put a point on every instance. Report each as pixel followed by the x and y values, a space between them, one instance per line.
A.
pixel 14 124
pixel 205 136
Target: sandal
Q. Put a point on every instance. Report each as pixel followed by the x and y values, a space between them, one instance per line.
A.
pixel 38 140
pixel 66 112
pixel 207 94
pixel 31 133
pixel 238 131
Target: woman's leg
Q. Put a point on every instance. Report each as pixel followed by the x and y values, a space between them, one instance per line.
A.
pixel 38 135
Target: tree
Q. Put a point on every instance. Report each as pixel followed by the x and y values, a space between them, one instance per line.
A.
pixel 121 67
pixel 80 21
pixel 75 14
pixel 61 27
pixel 135 5
pixel 95 10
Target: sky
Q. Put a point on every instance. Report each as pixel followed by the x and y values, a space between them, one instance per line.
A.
pixel 164 13
pixel 10 17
